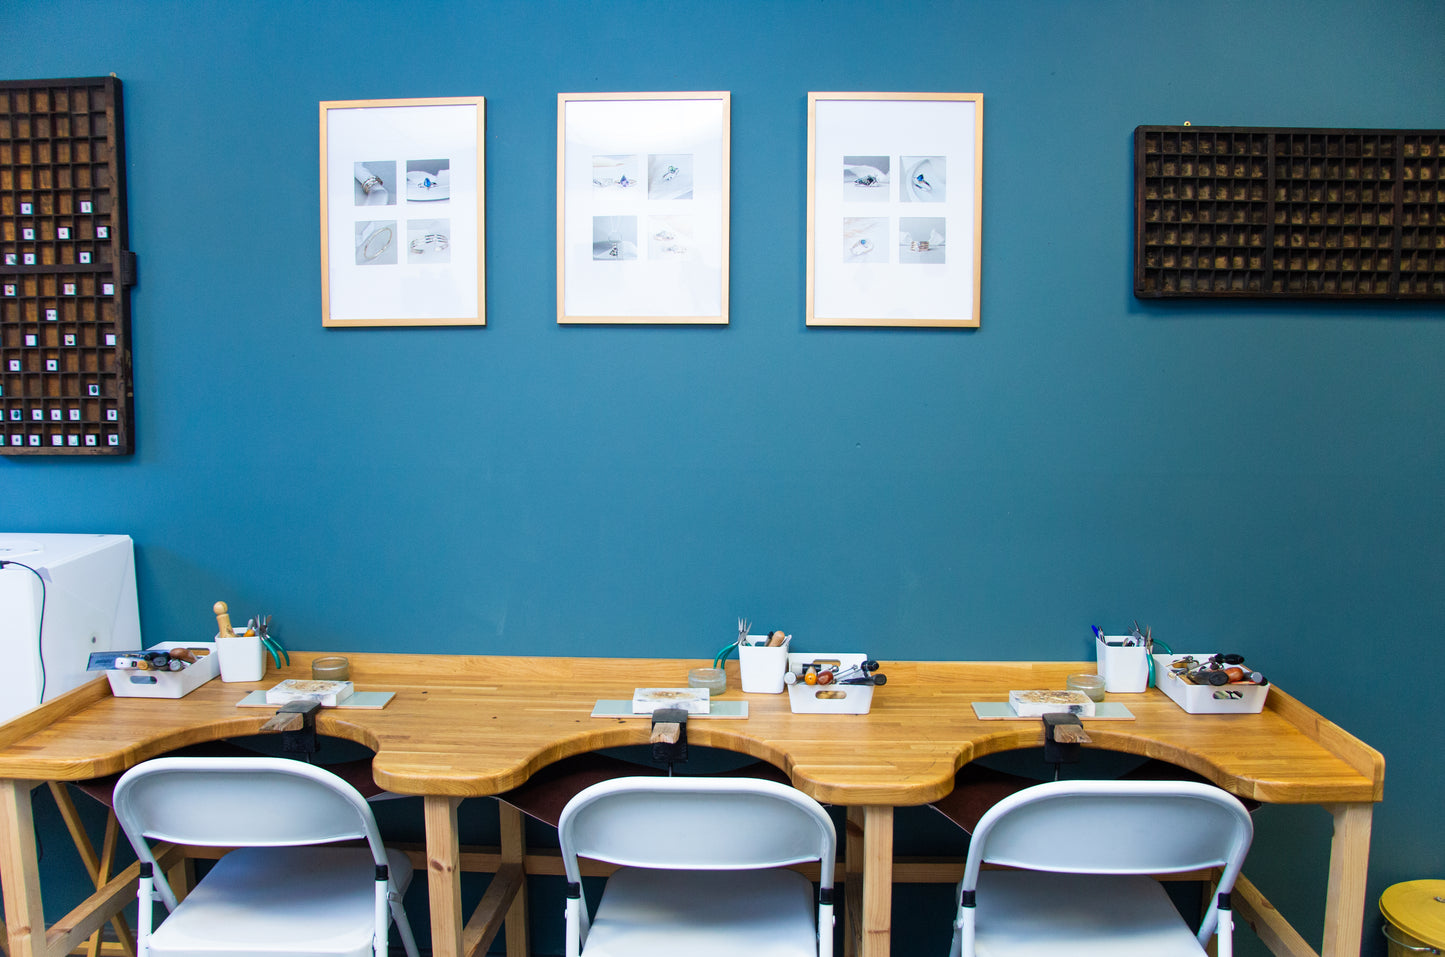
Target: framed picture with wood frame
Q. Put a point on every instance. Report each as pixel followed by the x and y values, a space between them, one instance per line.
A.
pixel 642 207
pixel 403 212
pixel 895 197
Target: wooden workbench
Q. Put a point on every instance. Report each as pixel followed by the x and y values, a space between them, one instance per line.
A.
pixel 462 726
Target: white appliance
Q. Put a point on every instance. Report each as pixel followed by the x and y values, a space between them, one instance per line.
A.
pixel 87 583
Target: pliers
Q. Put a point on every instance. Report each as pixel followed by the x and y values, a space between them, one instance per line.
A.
pixel 262 626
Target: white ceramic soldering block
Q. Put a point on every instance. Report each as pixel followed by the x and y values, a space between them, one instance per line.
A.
pixel 328 693
pixel 691 700
pixel 1031 704
pixel 166 684
pixel 1199 699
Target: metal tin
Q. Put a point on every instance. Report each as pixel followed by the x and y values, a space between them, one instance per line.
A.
pixel 1414 917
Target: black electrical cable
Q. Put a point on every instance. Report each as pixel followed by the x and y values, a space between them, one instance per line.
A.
pixel 40 631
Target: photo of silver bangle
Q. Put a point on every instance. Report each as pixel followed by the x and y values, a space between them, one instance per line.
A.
pixel 374 241
pixel 375 244
pixel 431 242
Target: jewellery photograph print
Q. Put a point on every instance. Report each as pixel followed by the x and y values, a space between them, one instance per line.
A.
pixel 642 207
pixel 895 195
pixel 402 212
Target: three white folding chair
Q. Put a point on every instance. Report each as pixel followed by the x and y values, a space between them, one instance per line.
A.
pixel 277 893
pixel 703 866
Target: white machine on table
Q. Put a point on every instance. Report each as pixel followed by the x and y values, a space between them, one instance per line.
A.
pixel 87 586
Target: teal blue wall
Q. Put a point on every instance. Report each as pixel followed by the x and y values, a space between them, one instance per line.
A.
pixel 1261 477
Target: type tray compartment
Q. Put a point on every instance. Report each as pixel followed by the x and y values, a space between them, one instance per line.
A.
pixel 1289 213
pixel 1199 699
pixel 65 271
pixel 166 684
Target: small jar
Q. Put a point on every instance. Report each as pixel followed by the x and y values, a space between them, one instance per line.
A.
pixel 1091 685
pixel 715 680
pixel 331 668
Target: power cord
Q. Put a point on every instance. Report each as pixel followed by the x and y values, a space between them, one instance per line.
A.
pixel 40 632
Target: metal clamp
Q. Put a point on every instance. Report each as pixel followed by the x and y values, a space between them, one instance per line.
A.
pixel 296 720
pixel 669 735
pixel 1063 733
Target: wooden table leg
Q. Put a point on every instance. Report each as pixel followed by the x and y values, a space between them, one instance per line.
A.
pixel 514 851
pixel 852 908
pixel 444 874
pixel 20 871
pixel 97 865
pixel 1349 868
pixel 877 881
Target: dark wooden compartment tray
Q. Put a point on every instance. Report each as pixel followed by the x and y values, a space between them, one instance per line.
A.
pixel 1288 213
pixel 65 270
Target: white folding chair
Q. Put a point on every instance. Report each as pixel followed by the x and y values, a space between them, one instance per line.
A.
pixel 703 869
pixel 1096 842
pixel 276 894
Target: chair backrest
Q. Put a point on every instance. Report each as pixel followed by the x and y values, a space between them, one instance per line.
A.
pixel 1113 827
pixel 241 802
pixel 696 824
pixel 1116 827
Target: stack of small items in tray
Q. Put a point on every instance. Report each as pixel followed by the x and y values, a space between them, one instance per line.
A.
pixel 171 669
pixel 1216 670
pixel 831 684
pixel 1211 684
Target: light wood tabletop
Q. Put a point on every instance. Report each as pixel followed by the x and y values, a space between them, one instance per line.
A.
pixel 462 726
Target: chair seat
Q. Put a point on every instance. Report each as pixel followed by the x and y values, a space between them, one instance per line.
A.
pixel 301 901
pixel 1027 913
pixel 664 913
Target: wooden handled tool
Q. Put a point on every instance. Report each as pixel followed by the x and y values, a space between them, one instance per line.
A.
pixel 223 621
pixel 665 732
pixel 1071 734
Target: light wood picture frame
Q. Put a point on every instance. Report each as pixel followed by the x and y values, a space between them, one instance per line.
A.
pixel 895 209
pixel 403 239
pixel 643 183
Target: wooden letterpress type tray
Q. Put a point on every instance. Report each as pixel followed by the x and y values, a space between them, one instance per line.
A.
pixel 1262 212
pixel 65 362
